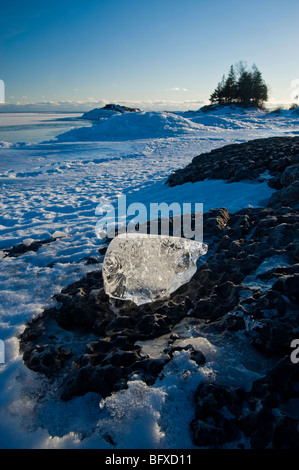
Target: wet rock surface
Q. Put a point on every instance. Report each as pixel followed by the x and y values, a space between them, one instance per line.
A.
pixel 247 284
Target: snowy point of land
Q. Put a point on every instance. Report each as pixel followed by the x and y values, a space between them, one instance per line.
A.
pixel 117 124
pixel 134 125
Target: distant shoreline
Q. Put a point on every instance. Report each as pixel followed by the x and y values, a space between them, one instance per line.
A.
pixel 42 112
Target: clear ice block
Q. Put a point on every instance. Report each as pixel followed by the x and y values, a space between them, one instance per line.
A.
pixel 145 268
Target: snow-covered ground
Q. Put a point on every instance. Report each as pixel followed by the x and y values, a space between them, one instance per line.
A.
pixel 53 183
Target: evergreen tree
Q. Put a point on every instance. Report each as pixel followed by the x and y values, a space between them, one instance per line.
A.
pixel 230 86
pixel 246 88
pixel 260 89
pixel 218 94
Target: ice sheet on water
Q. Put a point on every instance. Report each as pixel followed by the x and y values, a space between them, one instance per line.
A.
pixel 144 268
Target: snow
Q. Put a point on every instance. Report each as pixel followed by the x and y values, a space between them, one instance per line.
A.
pixel 51 186
pixel 254 282
pixel 113 126
pixel 127 126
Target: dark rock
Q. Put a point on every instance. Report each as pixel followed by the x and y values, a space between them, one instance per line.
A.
pixel 22 248
pixel 120 108
pixel 198 357
pixel 195 355
pixel 215 221
pixel 233 321
pixel 208 435
pixel 91 379
pixel 288 196
pixel 232 412
pixel 288 286
pixel 214 424
pixel 47 360
pixel 103 250
pixel 286 434
pixel 290 175
pixel 149 369
pixel 93 114
pixel 246 161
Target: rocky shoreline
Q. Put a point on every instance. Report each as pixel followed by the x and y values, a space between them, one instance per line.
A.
pixel 247 284
pixel 275 159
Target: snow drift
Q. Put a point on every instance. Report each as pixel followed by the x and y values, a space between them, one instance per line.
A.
pixel 221 122
pixel 138 125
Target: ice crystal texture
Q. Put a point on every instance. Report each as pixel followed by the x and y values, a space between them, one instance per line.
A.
pixel 145 268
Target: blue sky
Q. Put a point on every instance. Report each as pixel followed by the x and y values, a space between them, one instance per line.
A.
pixel 157 53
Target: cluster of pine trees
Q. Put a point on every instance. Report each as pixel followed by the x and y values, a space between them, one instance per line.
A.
pixel 241 86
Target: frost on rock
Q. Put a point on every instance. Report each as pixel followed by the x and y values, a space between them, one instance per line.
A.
pixel 144 268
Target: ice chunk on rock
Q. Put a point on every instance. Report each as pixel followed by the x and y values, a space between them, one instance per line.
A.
pixel 28 241
pixel 59 234
pixel 144 268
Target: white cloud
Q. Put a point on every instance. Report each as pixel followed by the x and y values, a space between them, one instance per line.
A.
pixel 176 88
pixel 273 103
pixel 165 105
pixel 82 106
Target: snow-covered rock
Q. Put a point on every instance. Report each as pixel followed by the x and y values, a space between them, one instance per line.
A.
pixel 223 109
pixel 107 111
